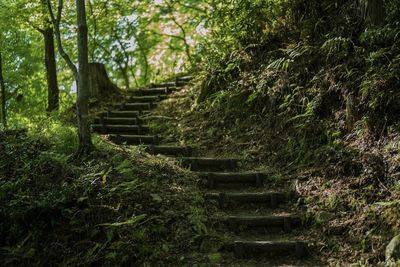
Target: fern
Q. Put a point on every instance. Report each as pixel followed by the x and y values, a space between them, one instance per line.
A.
pixel 292 52
pixel 280 64
pixel 335 45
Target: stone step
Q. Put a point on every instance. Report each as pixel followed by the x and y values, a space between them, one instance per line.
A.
pixel 181 83
pixel 117 121
pixel 119 129
pixel 223 179
pixel 152 92
pixel 205 164
pixel 170 150
pixel 270 249
pixel 283 222
pixel 120 114
pixel 135 106
pixel 269 199
pixel 187 78
pixel 146 99
pixel 134 139
pixel 164 84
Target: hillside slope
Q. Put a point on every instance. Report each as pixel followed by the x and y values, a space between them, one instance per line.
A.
pixel 312 99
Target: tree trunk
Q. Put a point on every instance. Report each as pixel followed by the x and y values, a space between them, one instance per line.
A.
pixel 373 12
pixel 3 95
pixel 125 76
pixel 100 85
pixel 53 92
pixel 82 105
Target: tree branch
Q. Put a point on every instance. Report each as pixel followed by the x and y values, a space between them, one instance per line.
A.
pixel 56 24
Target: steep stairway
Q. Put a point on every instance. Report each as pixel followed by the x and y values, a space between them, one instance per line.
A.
pixel 257 223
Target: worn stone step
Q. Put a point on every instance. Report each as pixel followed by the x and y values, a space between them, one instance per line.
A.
pixel 119 129
pixel 170 89
pixel 134 139
pixel 170 150
pixel 283 222
pixel 117 121
pixel 187 78
pixel 204 164
pixel 221 179
pixel 181 83
pixel 152 91
pixel 273 249
pixel 120 114
pixel 269 199
pixel 164 84
pixel 135 106
pixel 146 99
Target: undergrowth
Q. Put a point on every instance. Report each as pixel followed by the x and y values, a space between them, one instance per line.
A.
pixel 308 90
pixel 119 206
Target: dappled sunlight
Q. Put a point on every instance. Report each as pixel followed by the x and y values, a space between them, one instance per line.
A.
pixel 199 133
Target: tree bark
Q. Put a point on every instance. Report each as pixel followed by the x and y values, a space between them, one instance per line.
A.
pixel 3 95
pixel 100 85
pixel 53 91
pixel 373 12
pixel 82 105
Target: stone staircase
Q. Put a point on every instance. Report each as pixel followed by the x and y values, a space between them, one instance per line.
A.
pixel 258 223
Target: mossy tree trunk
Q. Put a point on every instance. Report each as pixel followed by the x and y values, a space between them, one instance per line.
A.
pixel 100 85
pixel 372 12
pixel 51 70
pixel 82 105
pixel 3 95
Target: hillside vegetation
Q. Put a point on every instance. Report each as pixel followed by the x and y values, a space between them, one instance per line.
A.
pixel 307 91
pixel 119 206
pixel 310 92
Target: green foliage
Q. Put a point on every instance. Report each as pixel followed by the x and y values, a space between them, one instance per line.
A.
pixel 139 42
pixel 56 211
pixel 299 67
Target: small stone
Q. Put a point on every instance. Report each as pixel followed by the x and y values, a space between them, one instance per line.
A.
pixel 215 258
pixel 392 252
pixel 324 217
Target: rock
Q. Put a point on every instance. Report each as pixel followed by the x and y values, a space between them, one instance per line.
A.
pixel 215 258
pixel 324 217
pixel 392 252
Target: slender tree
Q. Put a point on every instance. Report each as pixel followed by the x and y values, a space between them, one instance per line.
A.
pixel 53 91
pixel 85 143
pixel 3 94
pixel 40 22
pixel 56 20
pixel 81 75
pixel 373 12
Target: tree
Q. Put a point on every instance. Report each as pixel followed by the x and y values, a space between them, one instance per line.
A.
pixel 42 24
pixel 3 94
pixel 21 12
pixel 47 31
pixel 82 104
pixel 373 12
pixel 53 91
pixel 81 75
